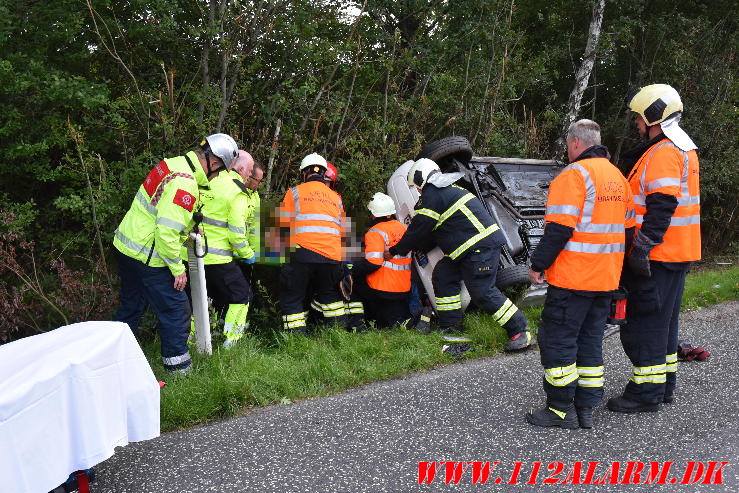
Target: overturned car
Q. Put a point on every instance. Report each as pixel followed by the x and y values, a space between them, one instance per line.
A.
pixel 514 192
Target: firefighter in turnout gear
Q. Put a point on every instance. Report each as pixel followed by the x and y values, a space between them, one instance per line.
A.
pixel 589 221
pixel 382 287
pixel 663 174
pixel 312 216
pixel 225 208
pixel 149 238
pixel 471 241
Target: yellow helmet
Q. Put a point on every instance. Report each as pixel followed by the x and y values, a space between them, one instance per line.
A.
pixel 655 103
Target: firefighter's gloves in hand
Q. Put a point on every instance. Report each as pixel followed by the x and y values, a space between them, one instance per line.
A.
pixel 638 259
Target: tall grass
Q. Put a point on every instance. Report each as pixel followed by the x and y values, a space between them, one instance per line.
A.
pixel 280 368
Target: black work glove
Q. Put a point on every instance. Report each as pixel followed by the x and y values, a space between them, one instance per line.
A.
pixel 638 261
pixel 638 258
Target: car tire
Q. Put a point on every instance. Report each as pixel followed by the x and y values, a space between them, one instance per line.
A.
pixel 445 151
pixel 513 276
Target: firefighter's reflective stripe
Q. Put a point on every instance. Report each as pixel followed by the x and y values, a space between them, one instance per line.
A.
pixel 447 303
pixel 329 310
pixel 394 275
pixel 428 212
pixel 681 242
pixel 479 236
pixel 592 197
pixel 590 376
pixel 561 376
pixel 671 363
pixel 649 374
pixel 220 251
pixel 294 320
pixel 314 213
pixel 505 312
pixel 355 308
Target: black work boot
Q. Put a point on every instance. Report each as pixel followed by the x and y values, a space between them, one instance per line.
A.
pixel 424 321
pixel 585 417
pixel 549 416
pixel 621 404
pixel 519 341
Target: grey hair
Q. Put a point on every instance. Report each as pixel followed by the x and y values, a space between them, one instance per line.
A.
pixel 587 131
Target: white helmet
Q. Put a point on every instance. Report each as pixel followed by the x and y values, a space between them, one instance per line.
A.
pixel 381 205
pixel 222 146
pixel 314 159
pixel 420 172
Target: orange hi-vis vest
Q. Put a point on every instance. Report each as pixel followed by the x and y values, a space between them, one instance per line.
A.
pixel 593 197
pixel 394 275
pixel 315 216
pixel 667 169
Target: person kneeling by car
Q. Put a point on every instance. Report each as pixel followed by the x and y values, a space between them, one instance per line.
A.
pixel 471 242
pixel 590 218
pixel 382 287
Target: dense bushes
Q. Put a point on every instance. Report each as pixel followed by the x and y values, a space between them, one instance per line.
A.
pixel 95 92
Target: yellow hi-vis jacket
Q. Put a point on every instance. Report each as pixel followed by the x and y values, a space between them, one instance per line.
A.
pixel 225 209
pixel 160 217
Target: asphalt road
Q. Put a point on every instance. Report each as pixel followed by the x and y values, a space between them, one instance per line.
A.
pixel 372 438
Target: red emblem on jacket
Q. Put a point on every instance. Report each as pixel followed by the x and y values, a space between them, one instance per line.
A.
pixel 184 199
pixel 155 177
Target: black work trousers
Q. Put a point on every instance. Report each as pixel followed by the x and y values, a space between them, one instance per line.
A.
pixel 478 270
pixel 323 278
pixel 384 308
pixel 571 347
pixel 227 285
pixel 650 334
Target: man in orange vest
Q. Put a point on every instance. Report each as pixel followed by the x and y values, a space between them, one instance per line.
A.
pixel 664 179
pixel 589 220
pixel 312 215
pixel 382 287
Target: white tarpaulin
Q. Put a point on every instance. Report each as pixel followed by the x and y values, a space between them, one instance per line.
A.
pixel 67 398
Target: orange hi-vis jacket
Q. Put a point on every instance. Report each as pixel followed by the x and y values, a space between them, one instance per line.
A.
pixel 594 198
pixel 315 215
pixel 667 169
pixel 394 275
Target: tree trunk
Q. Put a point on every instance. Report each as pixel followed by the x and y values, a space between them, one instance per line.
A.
pixel 204 58
pixel 583 76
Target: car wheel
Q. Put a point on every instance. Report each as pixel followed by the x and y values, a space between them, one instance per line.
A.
pixel 513 276
pixel 445 151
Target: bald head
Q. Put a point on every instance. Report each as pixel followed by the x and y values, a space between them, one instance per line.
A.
pixel 244 164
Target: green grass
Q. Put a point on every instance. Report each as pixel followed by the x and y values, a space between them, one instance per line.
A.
pixel 279 368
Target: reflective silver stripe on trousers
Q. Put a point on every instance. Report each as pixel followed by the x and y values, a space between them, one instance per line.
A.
pixel 570 210
pixel 317 229
pixel 578 246
pixel 317 217
pixel 145 202
pixel 177 226
pixel 392 266
pixel 176 360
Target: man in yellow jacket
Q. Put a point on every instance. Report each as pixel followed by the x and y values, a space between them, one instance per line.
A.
pixel 149 239
pixel 226 207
